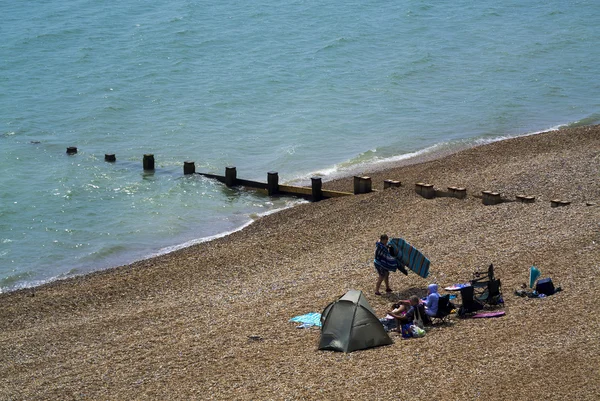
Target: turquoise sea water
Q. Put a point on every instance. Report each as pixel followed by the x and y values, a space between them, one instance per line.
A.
pixel 299 87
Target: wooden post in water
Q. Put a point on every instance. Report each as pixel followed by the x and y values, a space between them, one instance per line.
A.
pixel 230 176
pixel 148 162
pixel 189 167
pixel 317 192
pixel 110 157
pixel 71 150
pixel 272 183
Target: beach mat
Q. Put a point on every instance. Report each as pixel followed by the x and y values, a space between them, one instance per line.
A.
pixel 484 315
pixel 410 256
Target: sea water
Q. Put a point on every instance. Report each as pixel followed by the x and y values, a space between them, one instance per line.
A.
pixel 300 87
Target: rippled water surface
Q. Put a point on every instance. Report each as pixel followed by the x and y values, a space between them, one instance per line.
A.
pixel 299 87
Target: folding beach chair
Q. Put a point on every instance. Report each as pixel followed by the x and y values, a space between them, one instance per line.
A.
pixel 492 293
pixel 481 281
pixel 484 276
pixel 469 303
pixel 444 308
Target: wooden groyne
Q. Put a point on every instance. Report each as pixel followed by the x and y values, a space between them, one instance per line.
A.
pixel 315 192
pixel 273 188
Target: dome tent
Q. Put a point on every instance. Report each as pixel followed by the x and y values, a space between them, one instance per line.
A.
pixel 349 324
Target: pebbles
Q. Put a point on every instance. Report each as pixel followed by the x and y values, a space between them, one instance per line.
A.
pixel 211 321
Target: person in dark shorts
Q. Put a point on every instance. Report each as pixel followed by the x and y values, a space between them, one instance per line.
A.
pixel 384 264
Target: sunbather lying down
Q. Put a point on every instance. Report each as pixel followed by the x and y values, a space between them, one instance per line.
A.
pixel 406 310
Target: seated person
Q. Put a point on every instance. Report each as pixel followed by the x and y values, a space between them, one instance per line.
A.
pixel 433 298
pixel 406 310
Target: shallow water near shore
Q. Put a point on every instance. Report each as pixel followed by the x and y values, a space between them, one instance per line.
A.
pixel 318 88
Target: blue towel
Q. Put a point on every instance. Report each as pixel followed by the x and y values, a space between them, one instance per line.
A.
pixel 410 256
pixel 308 319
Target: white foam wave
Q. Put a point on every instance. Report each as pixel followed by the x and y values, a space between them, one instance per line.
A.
pixel 346 168
pixel 406 156
pixel 485 141
pixel 196 241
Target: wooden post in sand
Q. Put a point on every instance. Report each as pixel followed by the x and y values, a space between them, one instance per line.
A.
pixel 71 150
pixel 357 184
pixel 317 191
pixel 391 184
pixel 558 203
pixel 456 192
pixel 272 183
pixel 148 162
pixel 230 176
pixel 491 198
pixel 525 199
pixel 460 193
pixel 427 191
pixel 110 157
pixel 366 185
pixel 189 167
pixel 362 185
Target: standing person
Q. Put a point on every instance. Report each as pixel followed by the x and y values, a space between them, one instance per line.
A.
pixel 384 264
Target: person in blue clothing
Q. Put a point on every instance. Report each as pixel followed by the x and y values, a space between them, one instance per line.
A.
pixel 433 298
pixel 384 264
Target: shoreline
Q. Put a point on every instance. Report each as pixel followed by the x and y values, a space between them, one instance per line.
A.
pixel 183 325
pixel 422 156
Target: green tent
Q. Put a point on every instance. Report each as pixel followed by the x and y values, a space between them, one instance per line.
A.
pixel 349 324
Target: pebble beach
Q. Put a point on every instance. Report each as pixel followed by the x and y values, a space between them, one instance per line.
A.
pixel 212 321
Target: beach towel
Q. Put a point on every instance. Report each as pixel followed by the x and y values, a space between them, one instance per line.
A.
pixel 384 262
pixel 308 319
pixel 410 256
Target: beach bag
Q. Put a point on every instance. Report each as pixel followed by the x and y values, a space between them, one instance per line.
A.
pixel 418 320
pixel 406 331
pixel 545 286
pixel 416 331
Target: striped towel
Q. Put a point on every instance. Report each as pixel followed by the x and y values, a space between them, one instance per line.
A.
pixel 410 256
